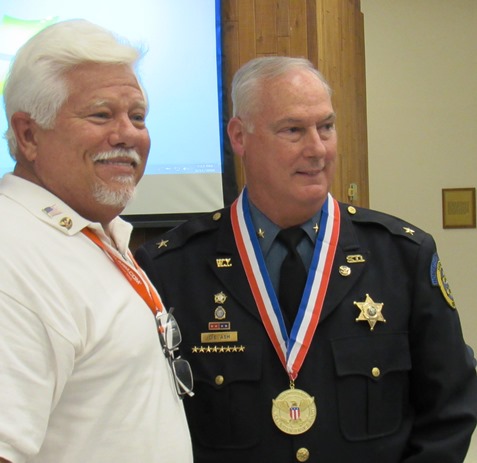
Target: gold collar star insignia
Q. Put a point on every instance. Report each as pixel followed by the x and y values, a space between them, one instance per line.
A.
pixel 316 228
pixel 162 244
pixel 408 230
pixel 261 233
pixel 370 311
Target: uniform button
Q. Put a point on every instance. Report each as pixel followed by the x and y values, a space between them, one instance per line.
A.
pixel 376 372
pixel 219 380
pixel 302 454
pixel 217 216
pixel 351 210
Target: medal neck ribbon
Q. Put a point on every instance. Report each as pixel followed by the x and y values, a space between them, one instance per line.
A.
pixel 291 349
pixel 133 273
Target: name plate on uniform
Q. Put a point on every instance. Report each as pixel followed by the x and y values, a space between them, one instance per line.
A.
pixel 219 336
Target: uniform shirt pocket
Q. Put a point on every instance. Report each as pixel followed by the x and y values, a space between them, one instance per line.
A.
pixel 223 410
pixel 372 384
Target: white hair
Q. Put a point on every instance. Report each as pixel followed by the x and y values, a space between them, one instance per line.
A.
pixel 248 80
pixel 36 82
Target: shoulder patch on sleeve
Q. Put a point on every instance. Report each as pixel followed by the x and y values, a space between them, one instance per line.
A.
pixel 438 278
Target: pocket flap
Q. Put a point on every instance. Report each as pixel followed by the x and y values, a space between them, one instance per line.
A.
pixel 373 356
pixel 218 369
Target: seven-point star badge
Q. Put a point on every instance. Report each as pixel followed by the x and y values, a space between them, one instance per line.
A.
pixel 370 311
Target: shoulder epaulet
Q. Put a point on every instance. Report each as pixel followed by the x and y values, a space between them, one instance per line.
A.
pixel 393 224
pixel 178 236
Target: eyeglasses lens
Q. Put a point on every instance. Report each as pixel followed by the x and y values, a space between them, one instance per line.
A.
pixel 171 337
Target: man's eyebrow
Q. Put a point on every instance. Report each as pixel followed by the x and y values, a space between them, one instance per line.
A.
pixel 105 102
pixel 293 120
pixel 331 117
pixel 95 104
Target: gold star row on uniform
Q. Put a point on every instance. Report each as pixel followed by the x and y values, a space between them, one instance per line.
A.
pixel 217 349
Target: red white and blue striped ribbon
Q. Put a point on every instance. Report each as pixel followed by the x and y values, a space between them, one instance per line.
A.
pixel 291 349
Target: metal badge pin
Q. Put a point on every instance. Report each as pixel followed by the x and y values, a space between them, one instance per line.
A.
pixel 220 298
pixel 224 262
pixel 220 313
pixel 370 311
pixel 344 271
pixel 52 211
pixel 66 222
pixel 355 259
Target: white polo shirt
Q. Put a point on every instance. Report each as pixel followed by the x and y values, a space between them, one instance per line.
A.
pixel 82 374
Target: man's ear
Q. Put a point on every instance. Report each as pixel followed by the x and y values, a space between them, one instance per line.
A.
pixel 25 129
pixel 237 132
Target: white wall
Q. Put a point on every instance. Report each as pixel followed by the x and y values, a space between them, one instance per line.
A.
pixel 421 72
pixel 421 63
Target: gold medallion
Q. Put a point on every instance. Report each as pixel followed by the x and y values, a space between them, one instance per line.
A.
pixel 294 411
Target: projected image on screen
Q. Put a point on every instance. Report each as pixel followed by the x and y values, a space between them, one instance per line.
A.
pixel 181 75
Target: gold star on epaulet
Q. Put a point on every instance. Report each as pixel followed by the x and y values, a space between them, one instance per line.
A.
pixel 370 311
pixel 162 244
pixel 408 230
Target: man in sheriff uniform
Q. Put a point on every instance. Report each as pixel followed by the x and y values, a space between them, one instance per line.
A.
pixel 369 365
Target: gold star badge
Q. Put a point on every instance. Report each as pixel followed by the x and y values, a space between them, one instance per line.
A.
pixel 261 233
pixel 220 298
pixel 316 228
pixel 162 244
pixel 408 230
pixel 370 311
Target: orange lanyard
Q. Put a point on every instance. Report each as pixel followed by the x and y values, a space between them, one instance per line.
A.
pixel 136 277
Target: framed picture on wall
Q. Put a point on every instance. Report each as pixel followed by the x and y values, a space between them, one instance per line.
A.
pixel 458 208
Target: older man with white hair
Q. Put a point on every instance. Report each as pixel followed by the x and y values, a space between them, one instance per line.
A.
pixel 83 374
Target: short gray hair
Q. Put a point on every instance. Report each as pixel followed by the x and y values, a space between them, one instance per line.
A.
pixel 249 78
pixel 36 84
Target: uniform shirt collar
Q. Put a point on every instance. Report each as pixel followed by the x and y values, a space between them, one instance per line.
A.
pixel 267 230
